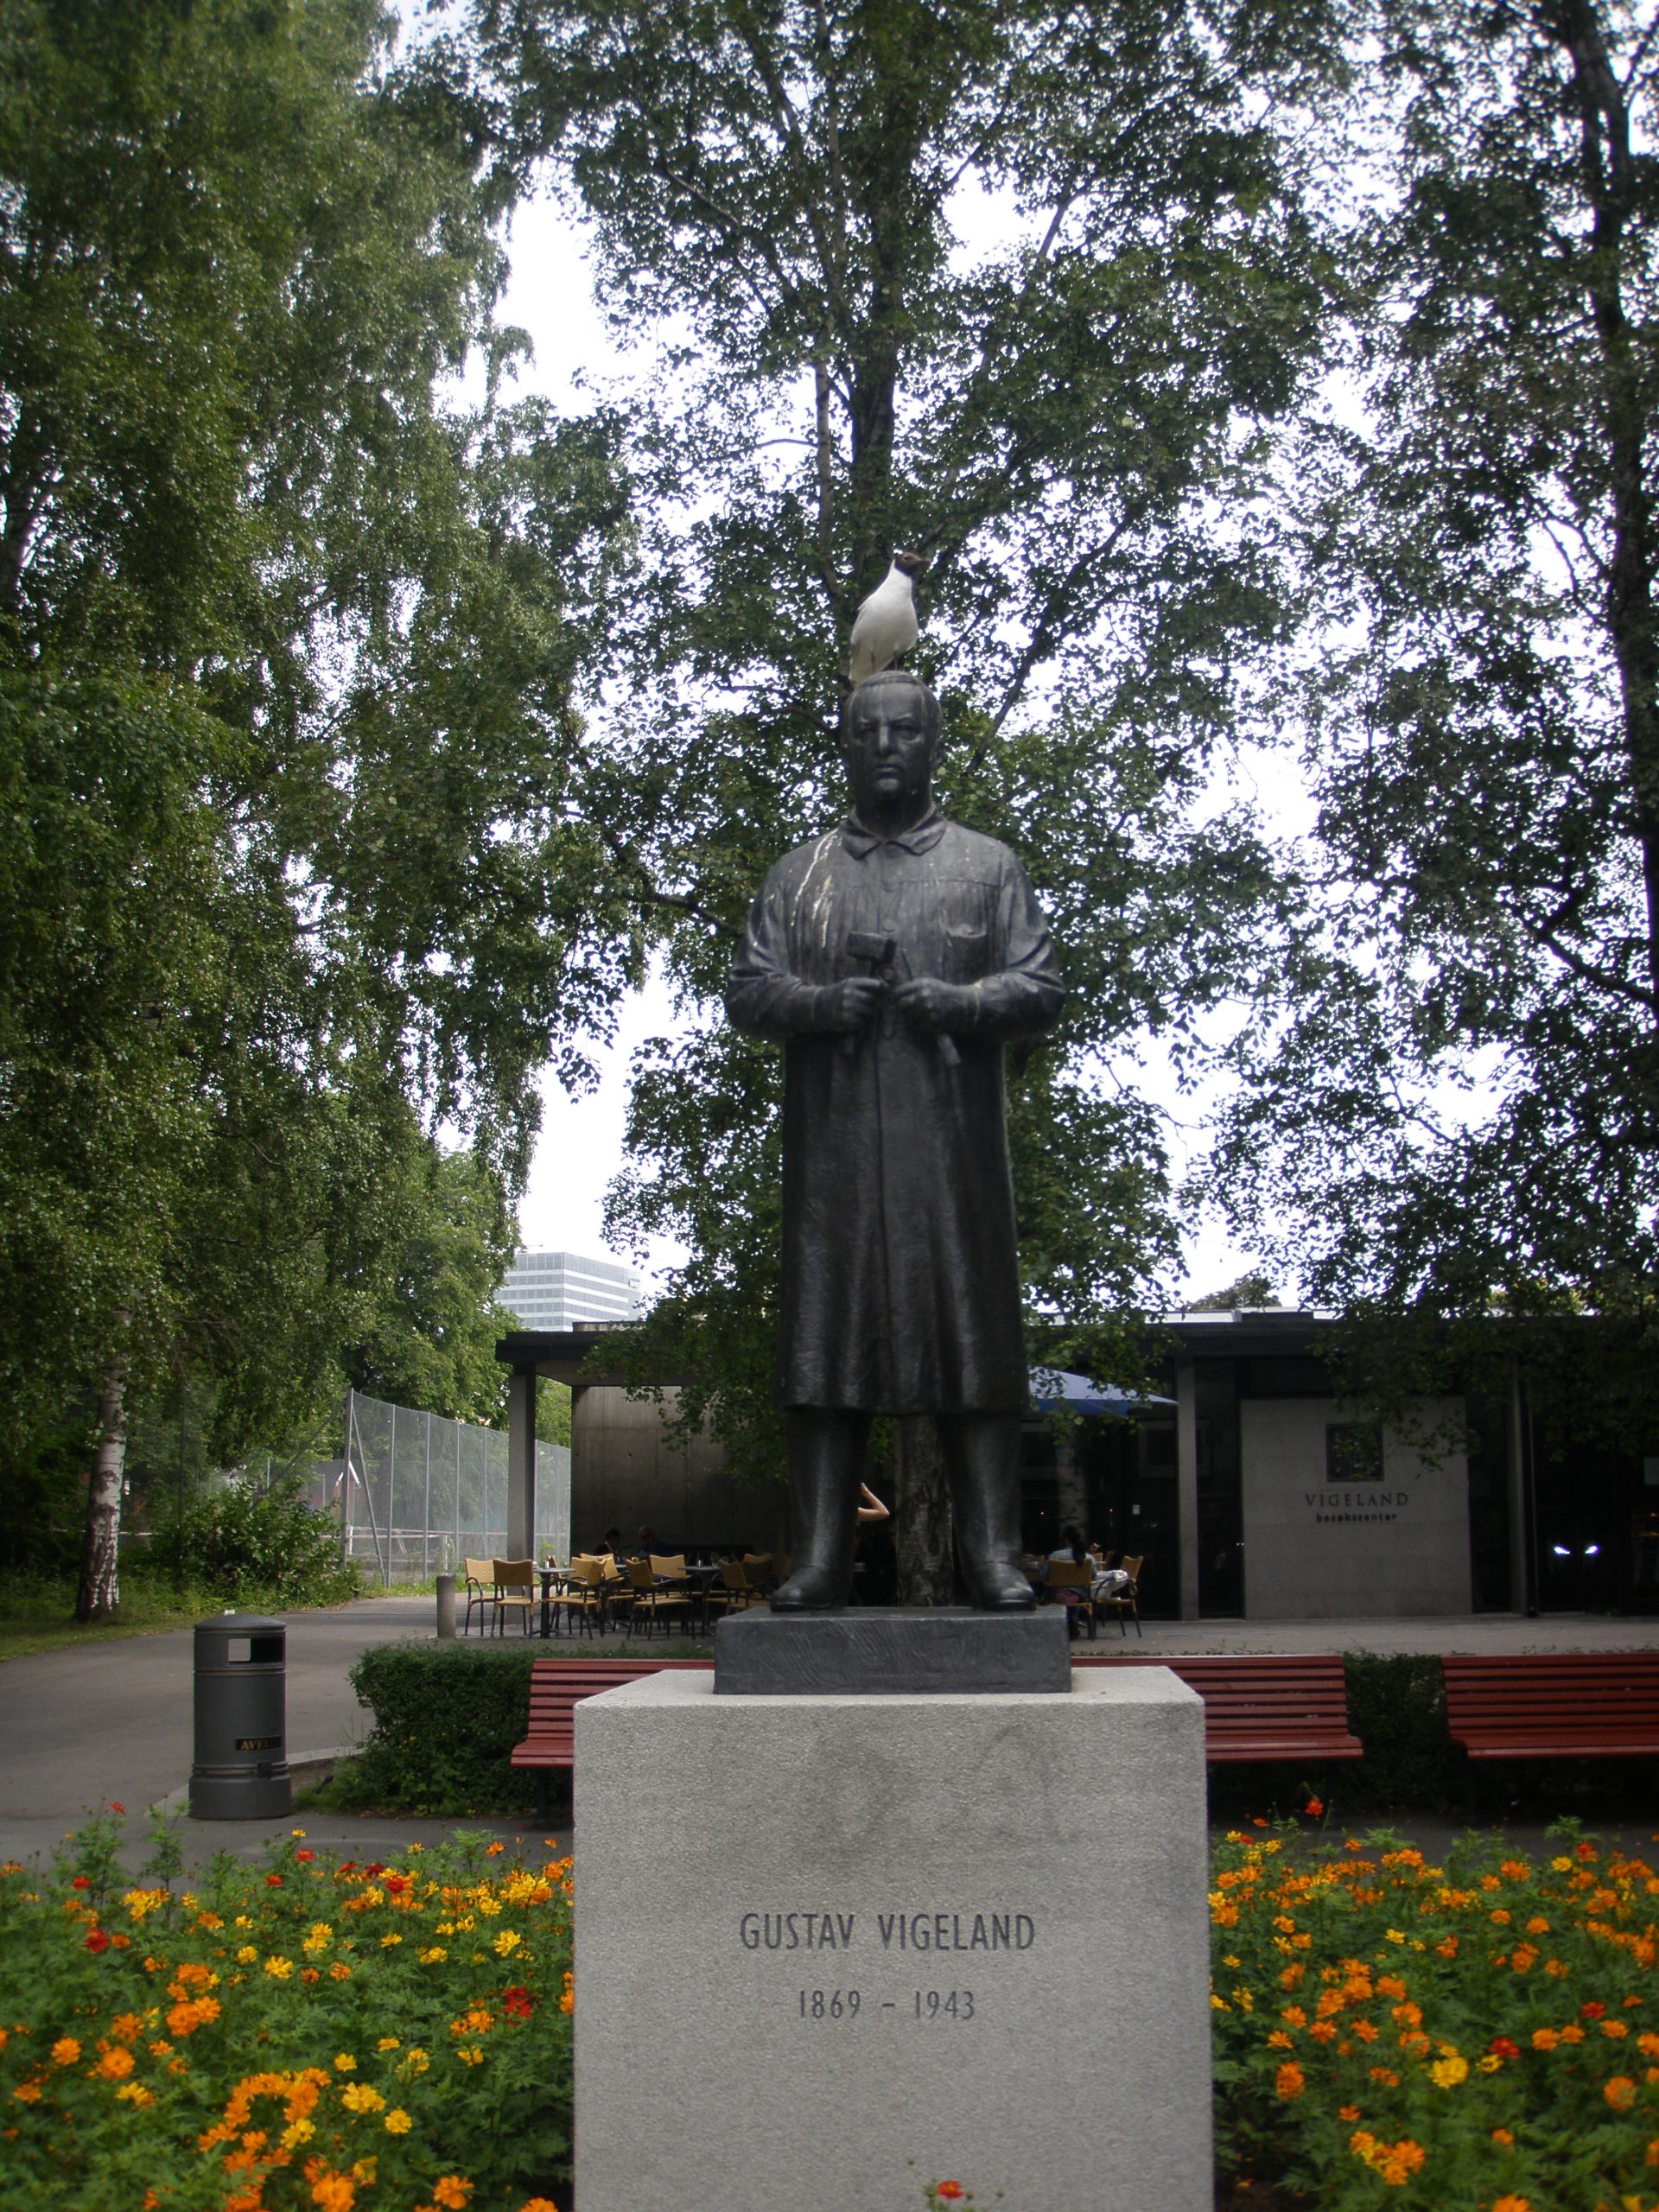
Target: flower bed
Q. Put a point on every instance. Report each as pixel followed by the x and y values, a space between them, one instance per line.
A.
pixel 307 2033
pixel 1480 2037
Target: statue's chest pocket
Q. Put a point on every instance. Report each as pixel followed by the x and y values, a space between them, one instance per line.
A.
pixel 966 947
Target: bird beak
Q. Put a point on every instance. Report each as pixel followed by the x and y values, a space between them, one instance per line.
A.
pixel 912 563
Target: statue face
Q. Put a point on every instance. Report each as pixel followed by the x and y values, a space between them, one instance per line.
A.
pixel 889 754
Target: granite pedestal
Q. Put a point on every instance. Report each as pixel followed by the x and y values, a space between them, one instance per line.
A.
pixel 830 1948
pixel 868 1650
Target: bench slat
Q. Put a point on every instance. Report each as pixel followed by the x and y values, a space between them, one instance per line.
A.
pixel 1274 1709
pixel 1548 1704
pixel 559 1686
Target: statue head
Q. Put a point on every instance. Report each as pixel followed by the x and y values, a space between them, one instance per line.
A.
pixel 892 738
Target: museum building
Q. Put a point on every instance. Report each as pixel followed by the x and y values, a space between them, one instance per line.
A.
pixel 1246 1485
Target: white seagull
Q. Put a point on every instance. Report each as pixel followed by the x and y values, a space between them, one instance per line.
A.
pixel 884 626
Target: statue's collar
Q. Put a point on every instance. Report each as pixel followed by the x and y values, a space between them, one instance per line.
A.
pixel 920 837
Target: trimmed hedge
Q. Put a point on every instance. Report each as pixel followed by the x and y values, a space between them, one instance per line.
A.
pixel 448 1715
pixel 446 1718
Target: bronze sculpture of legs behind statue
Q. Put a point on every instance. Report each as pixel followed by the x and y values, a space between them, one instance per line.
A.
pixel 826 1462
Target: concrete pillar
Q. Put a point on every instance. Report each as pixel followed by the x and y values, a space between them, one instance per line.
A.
pixel 521 1463
pixel 1186 1482
pixel 1521 1600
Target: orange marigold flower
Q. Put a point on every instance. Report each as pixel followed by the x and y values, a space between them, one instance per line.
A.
pixel 65 2051
pixel 1290 2082
pixel 1501 2135
pixel 1620 2091
pixel 452 2190
pixel 1347 2112
pixel 116 2065
pixel 334 2192
pixel 1511 2204
pixel 1279 2040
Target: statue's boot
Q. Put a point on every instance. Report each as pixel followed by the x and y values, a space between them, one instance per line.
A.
pixel 826 1456
pixel 982 1454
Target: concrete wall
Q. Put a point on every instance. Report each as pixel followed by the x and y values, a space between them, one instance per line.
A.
pixel 1399 1545
pixel 624 1472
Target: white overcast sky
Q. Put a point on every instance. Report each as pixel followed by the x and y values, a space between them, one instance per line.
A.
pixel 580 1148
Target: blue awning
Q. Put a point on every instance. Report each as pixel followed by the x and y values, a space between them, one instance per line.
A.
pixel 1054 1390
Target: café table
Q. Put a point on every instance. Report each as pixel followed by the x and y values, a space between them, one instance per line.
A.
pixel 704 1574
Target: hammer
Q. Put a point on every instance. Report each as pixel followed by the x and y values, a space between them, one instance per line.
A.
pixel 870 945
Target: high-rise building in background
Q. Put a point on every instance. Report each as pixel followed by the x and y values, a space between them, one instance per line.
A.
pixel 556 1290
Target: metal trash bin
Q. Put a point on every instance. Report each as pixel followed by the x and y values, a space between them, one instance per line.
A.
pixel 241 1764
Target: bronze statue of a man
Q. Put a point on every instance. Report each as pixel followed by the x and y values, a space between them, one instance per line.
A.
pixel 893 957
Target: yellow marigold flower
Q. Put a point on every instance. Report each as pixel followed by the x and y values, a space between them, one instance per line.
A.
pixel 318 1937
pixel 362 2096
pixel 434 1956
pixel 297 2132
pixel 398 2121
pixel 415 2061
pixel 1394 1935
pixel 247 1954
pixel 387 2042
pixel 1620 2091
pixel 470 2055
pixel 1217 2004
pixel 345 2063
pixel 242 1920
pixel 278 1968
pixel 1561 1866
pixel 1490 2063
pixel 134 2092
pixel 506 1943
pixel 452 2190
pixel 1446 2073
pixel 363 2171
pixel 65 2051
pixel 386 1942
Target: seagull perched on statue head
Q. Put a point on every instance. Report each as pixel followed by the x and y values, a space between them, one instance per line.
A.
pixel 884 626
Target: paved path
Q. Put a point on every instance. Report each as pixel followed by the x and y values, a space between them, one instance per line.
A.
pixel 101 1721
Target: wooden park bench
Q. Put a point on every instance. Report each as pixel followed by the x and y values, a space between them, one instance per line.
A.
pixel 557 1688
pixel 1271 1709
pixel 1554 1704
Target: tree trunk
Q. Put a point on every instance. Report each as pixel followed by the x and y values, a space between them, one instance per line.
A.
pixel 1611 189
pixel 1069 1480
pixel 100 1588
pixel 923 1532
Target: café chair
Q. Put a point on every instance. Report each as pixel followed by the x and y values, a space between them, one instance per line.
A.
pixel 1068 1581
pixel 480 1592
pixel 1122 1602
pixel 584 1591
pixel 515 1590
pixel 736 1594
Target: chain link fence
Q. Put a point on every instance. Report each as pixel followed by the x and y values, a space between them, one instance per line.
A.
pixel 417 1493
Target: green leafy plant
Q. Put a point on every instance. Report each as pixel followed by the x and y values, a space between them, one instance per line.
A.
pixel 242 1543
